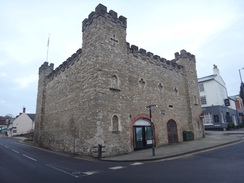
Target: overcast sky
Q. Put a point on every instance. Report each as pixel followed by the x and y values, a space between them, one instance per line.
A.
pixel 213 30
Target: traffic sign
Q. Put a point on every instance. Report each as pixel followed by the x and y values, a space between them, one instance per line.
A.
pixel 201 116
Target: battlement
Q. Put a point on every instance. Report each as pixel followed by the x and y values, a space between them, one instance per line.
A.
pixel 101 10
pixel 154 59
pixel 66 64
pixel 45 67
pixel 185 54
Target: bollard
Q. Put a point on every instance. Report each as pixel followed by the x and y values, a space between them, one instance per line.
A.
pixel 99 150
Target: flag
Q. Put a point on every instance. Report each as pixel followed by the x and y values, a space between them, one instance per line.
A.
pixel 48 40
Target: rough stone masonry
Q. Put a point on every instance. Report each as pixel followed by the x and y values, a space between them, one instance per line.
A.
pixel 99 94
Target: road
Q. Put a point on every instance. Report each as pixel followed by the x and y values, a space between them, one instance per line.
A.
pixel 20 163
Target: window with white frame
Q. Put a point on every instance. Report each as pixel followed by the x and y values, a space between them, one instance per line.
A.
pixel 208 119
pixel 201 87
pixel 203 100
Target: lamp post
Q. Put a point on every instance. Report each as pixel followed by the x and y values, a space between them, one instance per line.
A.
pixel 240 74
pixel 152 127
pixel 242 85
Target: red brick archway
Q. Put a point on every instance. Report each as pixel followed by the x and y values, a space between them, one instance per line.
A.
pixel 142 116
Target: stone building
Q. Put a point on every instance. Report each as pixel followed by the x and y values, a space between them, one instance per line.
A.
pixel 99 94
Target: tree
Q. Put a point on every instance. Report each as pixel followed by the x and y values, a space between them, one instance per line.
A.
pixel 242 91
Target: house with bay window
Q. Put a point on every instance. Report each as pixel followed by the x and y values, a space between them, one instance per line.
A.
pixel 219 110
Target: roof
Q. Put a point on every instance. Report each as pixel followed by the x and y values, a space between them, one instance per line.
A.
pixel 232 98
pixel 2 120
pixel 32 116
pixel 206 78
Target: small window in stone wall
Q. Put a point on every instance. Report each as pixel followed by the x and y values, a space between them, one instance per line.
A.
pixel 142 83
pixel 195 100
pixel 176 91
pixel 114 83
pixel 115 123
pixel 160 87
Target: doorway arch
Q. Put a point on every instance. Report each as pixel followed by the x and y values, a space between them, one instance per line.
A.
pixel 172 132
pixel 142 132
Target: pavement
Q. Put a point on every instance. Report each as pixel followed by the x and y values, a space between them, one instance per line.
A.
pixel 213 139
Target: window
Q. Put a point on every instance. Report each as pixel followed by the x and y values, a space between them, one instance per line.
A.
pixel 195 100
pixel 203 100
pixel 208 119
pixel 115 123
pixel 160 87
pixel 114 81
pixel 228 117
pixel 216 118
pixel 201 87
pixel 142 83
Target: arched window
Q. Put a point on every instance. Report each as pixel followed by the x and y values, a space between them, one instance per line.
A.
pixel 115 123
pixel 114 82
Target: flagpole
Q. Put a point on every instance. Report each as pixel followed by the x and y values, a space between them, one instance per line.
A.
pixel 47 47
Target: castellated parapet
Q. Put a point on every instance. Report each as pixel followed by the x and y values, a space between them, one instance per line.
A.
pixel 99 94
pixel 101 10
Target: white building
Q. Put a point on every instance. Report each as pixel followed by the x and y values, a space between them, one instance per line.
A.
pixel 219 110
pixel 23 124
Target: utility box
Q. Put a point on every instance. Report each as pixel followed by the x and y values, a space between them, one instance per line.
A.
pixel 188 135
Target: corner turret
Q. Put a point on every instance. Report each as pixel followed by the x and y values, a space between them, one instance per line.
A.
pixel 103 30
pixel 101 10
pixel 185 54
pixel 45 68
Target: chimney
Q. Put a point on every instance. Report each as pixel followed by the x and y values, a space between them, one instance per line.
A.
pixel 215 70
pixel 23 109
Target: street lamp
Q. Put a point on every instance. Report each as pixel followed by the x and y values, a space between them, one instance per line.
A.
pixel 152 127
pixel 240 73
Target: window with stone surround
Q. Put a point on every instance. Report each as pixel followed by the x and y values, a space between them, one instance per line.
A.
pixel 114 86
pixel 115 122
pixel 142 83
pixel 195 100
pixel 114 80
pixel 160 87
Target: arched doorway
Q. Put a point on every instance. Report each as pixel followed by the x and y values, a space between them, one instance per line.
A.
pixel 172 132
pixel 142 134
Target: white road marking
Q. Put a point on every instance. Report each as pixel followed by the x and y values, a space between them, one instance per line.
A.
pixel 90 173
pixel 15 151
pixel 116 167
pixel 63 171
pixel 6 147
pixel 136 163
pixel 29 157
